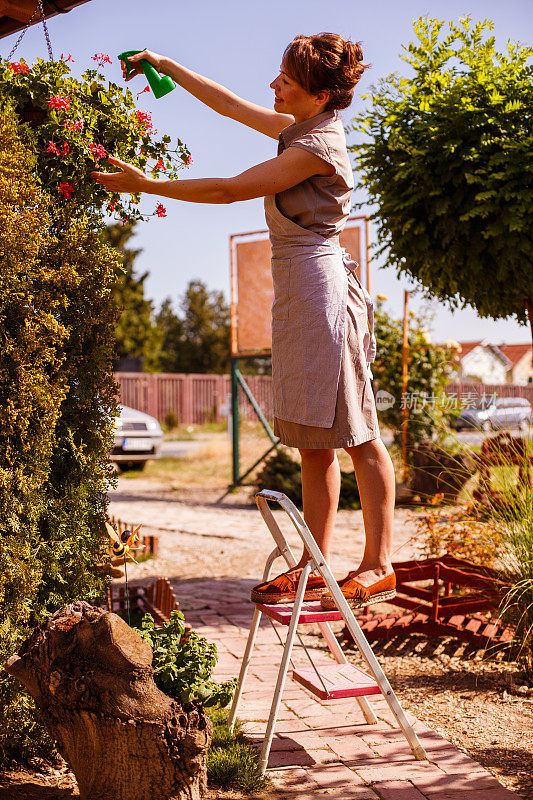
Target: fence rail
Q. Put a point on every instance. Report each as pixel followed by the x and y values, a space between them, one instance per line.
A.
pixel 196 399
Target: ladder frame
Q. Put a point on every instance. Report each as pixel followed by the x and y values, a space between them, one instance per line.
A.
pixel 318 562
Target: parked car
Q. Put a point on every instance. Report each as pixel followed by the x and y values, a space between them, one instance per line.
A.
pixel 503 412
pixel 138 438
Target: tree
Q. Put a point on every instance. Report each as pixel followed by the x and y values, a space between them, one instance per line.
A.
pixel 448 161
pixel 429 368
pixel 136 333
pixel 170 327
pixel 198 340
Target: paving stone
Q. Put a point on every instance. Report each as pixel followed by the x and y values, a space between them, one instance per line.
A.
pixel 398 790
pixel 292 778
pixel 439 786
pixel 334 776
pixel 349 747
pixel 385 771
pixel 285 758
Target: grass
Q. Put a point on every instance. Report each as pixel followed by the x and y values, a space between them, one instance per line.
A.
pixel 232 763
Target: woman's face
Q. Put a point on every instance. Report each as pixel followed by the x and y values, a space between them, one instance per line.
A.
pixel 291 98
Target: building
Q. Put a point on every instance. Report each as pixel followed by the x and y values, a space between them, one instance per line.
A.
pixel 484 362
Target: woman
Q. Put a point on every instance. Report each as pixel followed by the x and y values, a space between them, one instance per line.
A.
pixel 322 323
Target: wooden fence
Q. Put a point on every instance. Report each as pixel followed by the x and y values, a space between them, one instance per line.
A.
pixel 196 399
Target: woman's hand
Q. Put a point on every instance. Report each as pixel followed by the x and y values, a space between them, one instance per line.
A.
pixel 131 179
pixel 136 69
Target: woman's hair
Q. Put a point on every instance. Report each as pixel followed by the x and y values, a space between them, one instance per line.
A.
pixel 326 62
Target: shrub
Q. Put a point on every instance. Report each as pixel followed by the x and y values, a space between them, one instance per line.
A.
pixel 183 662
pixel 282 474
pixel 465 533
pixel 429 368
pixel 171 419
pixel 57 403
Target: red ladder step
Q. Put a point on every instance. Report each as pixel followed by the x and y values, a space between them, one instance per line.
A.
pixel 311 612
pixel 340 680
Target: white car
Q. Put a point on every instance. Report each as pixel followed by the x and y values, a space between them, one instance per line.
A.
pixel 138 438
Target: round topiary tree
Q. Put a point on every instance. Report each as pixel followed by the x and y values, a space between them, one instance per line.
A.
pixel 447 159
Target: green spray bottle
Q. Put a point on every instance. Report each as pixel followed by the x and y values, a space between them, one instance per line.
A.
pixel 160 85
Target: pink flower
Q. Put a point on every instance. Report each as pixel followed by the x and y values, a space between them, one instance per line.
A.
pixel 59 101
pixel 144 118
pixel 52 149
pixel 160 164
pixel 19 66
pixel 102 59
pixel 71 125
pixel 189 161
pixel 66 60
pixel 66 189
pixel 160 210
pixel 64 148
pixel 146 89
pixel 97 150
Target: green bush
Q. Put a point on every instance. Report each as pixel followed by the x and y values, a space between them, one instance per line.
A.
pixel 183 662
pixel 282 474
pixel 57 404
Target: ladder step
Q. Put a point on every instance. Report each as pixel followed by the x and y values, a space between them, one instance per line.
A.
pixel 311 612
pixel 340 680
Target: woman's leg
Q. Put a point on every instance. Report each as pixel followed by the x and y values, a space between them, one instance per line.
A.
pixel 377 486
pixel 321 483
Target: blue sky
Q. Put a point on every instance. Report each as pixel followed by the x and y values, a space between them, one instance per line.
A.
pixel 239 44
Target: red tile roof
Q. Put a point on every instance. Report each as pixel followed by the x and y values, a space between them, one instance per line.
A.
pixel 515 352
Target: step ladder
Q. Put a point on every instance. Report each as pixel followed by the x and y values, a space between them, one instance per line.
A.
pixel 327 682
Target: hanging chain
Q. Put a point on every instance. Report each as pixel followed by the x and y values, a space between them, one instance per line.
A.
pixel 46 35
pixel 38 7
pixel 21 37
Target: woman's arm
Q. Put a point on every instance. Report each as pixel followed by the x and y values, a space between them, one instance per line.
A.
pixel 217 97
pixel 293 166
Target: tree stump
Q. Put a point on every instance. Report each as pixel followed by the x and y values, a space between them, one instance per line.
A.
pixel 91 677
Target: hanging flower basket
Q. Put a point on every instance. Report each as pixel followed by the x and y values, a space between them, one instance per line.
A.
pixel 75 124
pixel 31 114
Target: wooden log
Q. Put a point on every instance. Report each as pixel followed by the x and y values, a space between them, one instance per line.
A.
pixel 91 677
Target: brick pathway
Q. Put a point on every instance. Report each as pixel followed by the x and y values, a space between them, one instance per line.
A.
pixel 324 748
pixel 321 748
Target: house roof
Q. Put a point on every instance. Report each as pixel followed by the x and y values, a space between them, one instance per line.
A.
pixel 15 14
pixel 515 352
pixel 509 354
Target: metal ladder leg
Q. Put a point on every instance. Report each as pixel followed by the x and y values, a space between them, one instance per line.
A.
pixel 283 667
pixel 346 612
pixel 249 646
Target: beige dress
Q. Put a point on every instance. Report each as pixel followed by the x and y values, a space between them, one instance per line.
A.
pixel 322 317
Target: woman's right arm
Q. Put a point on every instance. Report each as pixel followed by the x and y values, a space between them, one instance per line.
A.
pixel 217 97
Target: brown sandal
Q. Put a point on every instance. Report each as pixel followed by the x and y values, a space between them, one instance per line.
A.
pixel 283 590
pixel 358 596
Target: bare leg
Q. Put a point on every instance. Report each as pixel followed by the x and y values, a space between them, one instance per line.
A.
pixel 321 482
pixel 375 478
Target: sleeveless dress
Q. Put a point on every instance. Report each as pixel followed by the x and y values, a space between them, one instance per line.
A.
pixel 322 318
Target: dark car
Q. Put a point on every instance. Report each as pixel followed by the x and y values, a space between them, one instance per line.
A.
pixel 494 414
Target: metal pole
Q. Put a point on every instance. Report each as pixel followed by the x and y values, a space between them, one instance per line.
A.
pixel 367 243
pixel 405 409
pixel 235 420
